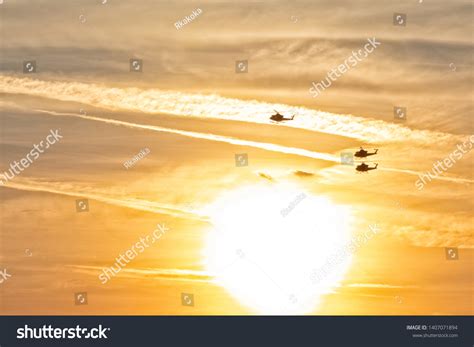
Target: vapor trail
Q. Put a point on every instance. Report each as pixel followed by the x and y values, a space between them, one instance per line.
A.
pixel 230 140
pixel 142 205
pixel 417 173
pixel 154 101
pixel 219 138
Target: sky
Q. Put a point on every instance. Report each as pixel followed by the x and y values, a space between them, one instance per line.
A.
pixel 229 245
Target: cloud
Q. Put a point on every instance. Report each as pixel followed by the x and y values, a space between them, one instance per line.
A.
pixel 206 136
pixel 266 176
pixel 302 173
pixel 167 274
pixel 38 185
pixel 378 285
pixel 261 145
pixel 449 231
pixel 411 67
pixel 215 106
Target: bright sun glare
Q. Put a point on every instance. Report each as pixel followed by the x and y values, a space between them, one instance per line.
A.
pixel 269 240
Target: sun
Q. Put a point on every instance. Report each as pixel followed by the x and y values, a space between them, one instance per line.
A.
pixel 269 243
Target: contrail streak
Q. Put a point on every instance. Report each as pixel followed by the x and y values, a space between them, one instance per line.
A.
pixel 167 274
pixel 142 205
pixel 230 140
pixel 441 178
pixel 153 101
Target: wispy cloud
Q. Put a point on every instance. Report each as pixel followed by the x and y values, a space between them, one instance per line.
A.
pixel 215 106
pixel 300 173
pixel 234 141
pixel 82 192
pixel 211 137
pixel 168 274
pixel 377 285
pixel 266 176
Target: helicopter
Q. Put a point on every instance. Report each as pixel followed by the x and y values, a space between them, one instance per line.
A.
pixel 277 117
pixel 362 153
pixel 365 168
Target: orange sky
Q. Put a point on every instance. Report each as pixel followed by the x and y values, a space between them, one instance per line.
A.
pixel 195 114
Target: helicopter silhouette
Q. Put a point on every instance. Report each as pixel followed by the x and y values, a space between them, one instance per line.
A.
pixel 277 117
pixel 365 168
pixel 362 153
